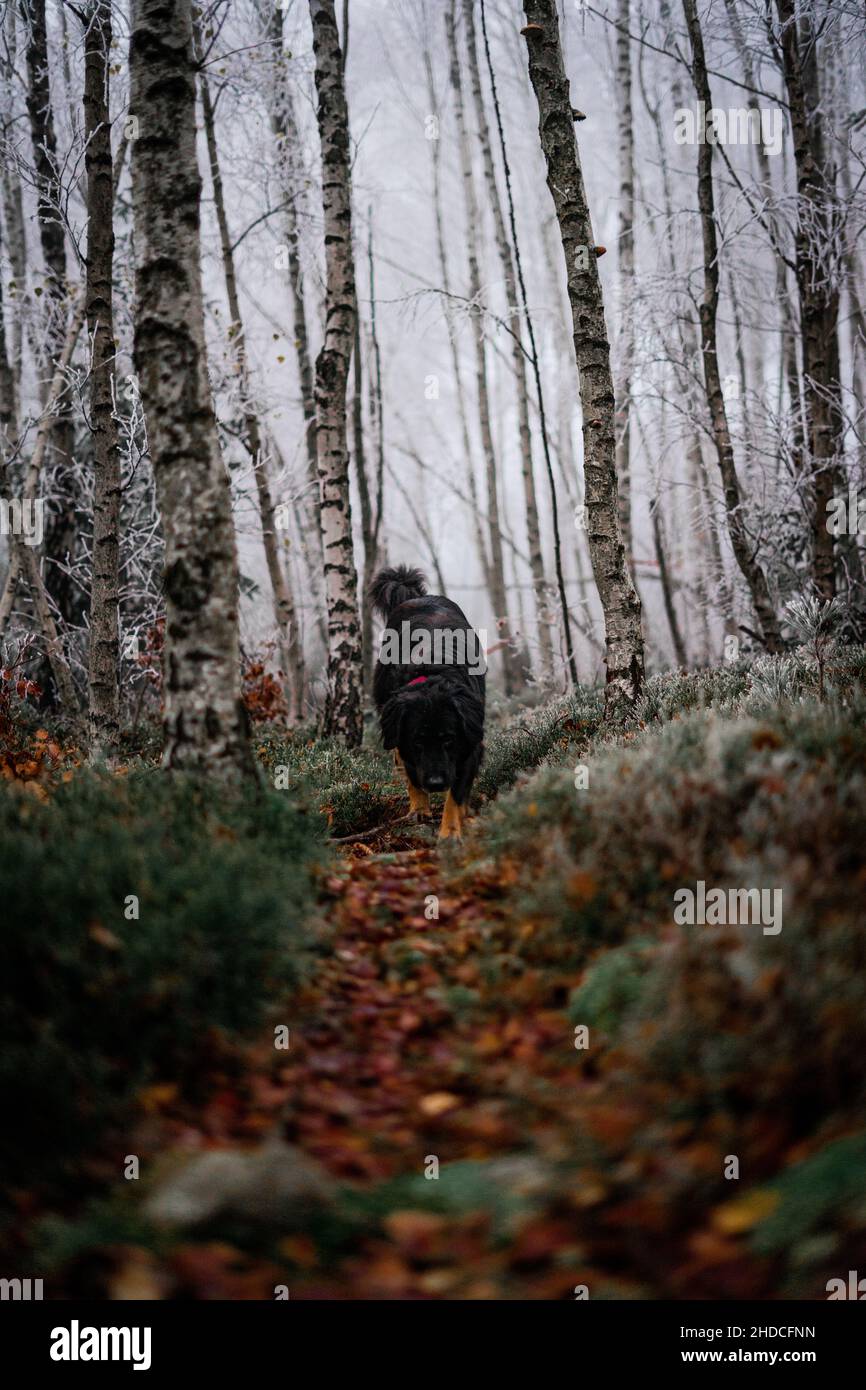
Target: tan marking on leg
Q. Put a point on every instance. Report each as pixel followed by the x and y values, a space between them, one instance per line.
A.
pixel 419 802
pixel 452 820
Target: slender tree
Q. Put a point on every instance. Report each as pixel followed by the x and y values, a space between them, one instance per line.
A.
pixel 288 637
pixel 816 252
pixel 99 306
pixel 617 594
pixel 519 356
pixel 345 674
pixel 626 245
pixel 61 524
pixel 510 659
pixel 741 542
pixel 205 722
pixel 368 542
pixel 284 126
pixel 445 282
pixel 564 612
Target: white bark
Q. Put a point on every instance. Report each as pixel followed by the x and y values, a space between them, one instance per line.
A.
pixel 205 722
pixel 617 594
pixel 343 706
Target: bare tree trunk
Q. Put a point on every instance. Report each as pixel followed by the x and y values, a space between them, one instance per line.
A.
pixel 13 204
pixel 512 674
pixel 661 554
pixel 205 721
pixel 518 355
pixel 31 484
pixel 377 406
pixel 60 528
pixel 8 386
pixel 44 152
pixel 444 273
pixel 565 612
pixel 16 245
pixel 625 267
pixel 10 586
pixel 8 432
pixel 285 129
pixel 857 310
pixel 99 307
pixel 367 524
pixel 343 716
pixel 290 650
pixel 783 303
pixel 741 542
pixel 23 563
pixel 815 250
pixel 707 553
pixel 619 600
pixel 667 594
pixel 28 566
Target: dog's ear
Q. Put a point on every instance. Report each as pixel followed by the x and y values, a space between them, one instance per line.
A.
pixel 390 720
pixel 470 709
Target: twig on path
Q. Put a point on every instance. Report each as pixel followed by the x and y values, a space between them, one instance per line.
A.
pixel 368 834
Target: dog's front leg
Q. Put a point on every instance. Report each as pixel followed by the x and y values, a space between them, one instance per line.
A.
pixel 419 802
pixel 452 820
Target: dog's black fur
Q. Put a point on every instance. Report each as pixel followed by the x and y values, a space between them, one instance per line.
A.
pixel 437 725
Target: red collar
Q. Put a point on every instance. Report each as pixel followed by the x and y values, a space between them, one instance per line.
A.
pixel 419 680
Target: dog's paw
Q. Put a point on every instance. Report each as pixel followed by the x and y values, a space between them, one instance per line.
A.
pixel 449 832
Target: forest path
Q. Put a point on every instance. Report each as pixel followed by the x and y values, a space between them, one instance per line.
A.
pixel 420 1051
pixel 432 1082
pixel 400 1042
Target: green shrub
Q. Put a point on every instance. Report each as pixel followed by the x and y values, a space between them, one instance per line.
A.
pixel 778 801
pixel 523 741
pixel 99 1003
pixel 810 1193
pixel 611 988
pixel 352 790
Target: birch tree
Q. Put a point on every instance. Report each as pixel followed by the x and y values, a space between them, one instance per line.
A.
pixel 617 594
pixel 345 675
pixel 205 722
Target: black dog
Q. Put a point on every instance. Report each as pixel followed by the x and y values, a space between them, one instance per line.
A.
pixel 429 691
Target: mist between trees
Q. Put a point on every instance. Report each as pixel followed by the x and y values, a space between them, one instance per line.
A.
pixel 566 307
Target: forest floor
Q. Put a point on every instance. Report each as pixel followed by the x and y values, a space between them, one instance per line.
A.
pixel 506 1072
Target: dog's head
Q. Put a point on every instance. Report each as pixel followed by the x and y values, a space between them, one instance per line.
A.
pixel 433 725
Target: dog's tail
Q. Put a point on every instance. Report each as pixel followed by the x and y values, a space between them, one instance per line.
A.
pixel 394 586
